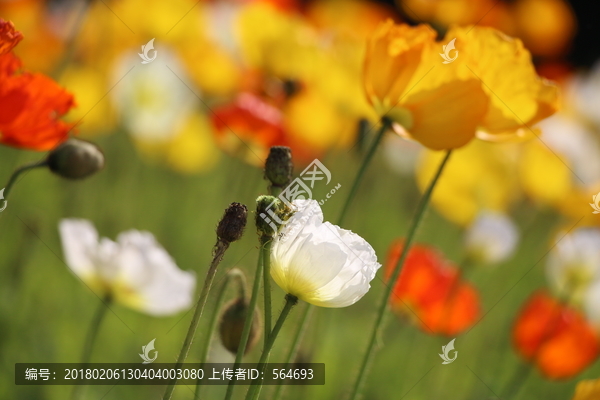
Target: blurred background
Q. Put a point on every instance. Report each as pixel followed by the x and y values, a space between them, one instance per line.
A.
pixel 188 133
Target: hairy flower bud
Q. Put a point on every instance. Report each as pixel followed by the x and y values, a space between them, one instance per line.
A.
pixel 279 167
pixel 271 213
pixel 232 325
pixel 76 159
pixel 231 227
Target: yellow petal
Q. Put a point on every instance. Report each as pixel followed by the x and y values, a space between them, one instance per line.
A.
pixel 447 117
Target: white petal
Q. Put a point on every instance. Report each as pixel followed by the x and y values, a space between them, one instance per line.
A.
pixel 158 287
pixel 319 262
pixel 492 238
pixel 575 260
pixel 79 242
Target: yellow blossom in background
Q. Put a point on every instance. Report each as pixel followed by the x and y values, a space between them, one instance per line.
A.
pixel 479 176
pixel 492 87
pixel 587 390
pixel 549 33
pixel 88 85
pixel 191 149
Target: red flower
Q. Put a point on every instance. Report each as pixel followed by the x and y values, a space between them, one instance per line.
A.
pixel 30 103
pixel 248 127
pixel 9 37
pixel 556 337
pixel 430 290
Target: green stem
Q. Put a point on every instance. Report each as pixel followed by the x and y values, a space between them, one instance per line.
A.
pixel 236 274
pixel 304 318
pixel 90 339
pixel 379 322
pixel 266 250
pixel 247 323
pixel 219 251
pixel 385 125
pixel 517 380
pixel 357 180
pixel 290 302
pixel 15 175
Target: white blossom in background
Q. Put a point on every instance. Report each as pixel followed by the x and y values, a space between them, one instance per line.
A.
pixel 401 154
pixel 153 99
pixel 574 263
pixel 591 303
pixel 135 271
pixel 319 262
pixel 491 238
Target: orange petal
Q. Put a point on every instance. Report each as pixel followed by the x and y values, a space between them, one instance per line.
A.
pixel 9 37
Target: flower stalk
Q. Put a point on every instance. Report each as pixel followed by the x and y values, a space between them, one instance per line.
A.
pixel 379 322
pixel 385 125
pixel 266 257
pixel 230 229
pixel 88 346
pixel 232 275
pixel 247 323
pixel 15 175
pixel 290 302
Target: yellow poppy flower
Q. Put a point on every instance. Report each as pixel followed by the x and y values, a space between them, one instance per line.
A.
pixel 490 86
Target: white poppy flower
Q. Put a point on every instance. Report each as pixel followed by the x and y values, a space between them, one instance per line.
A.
pixel 574 263
pixel 491 238
pixel 319 262
pixel 135 270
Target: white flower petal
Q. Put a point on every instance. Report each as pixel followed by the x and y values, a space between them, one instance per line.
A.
pixel 492 238
pixel 80 243
pixel 321 263
pixel 145 267
pixel 136 270
pixel 574 263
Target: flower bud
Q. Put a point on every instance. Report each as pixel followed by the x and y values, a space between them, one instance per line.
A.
pixel 271 213
pixel 232 325
pixel 231 227
pixel 279 167
pixel 76 159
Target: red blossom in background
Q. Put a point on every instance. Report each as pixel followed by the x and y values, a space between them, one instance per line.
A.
pixel 556 337
pixel 30 103
pixel 432 288
pixel 249 126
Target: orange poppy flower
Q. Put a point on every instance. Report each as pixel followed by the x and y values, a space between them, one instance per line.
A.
pixel 30 103
pixel 248 127
pixel 430 289
pixel 555 337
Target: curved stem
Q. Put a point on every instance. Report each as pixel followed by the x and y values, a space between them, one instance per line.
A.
pixel 247 323
pixel 219 251
pixel 15 175
pixel 385 125
pixel 266 257
pixel 290 302
pixel 236 274
pixel 304 318
pixel 90 339
pixel 379 322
